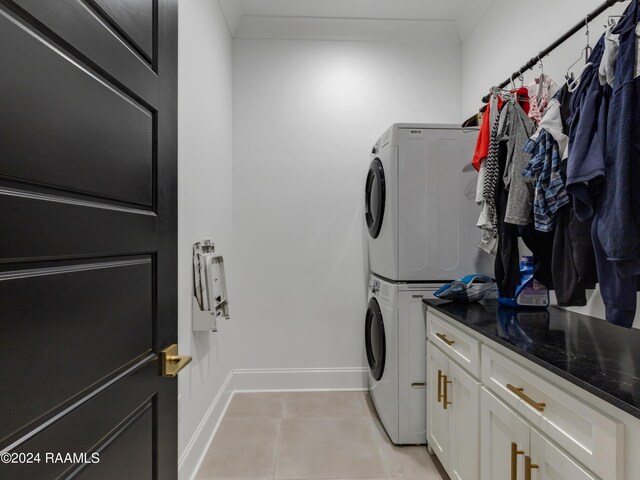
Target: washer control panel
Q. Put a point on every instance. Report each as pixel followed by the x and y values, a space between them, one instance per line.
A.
pixel 374 286
pixel 379 289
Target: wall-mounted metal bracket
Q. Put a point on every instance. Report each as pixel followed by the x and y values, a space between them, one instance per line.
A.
pixel 209 301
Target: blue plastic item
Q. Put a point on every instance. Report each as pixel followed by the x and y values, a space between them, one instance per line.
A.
pixel 472 288
pixel 529 294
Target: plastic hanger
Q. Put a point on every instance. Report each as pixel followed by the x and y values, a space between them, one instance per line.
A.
pixel 471 122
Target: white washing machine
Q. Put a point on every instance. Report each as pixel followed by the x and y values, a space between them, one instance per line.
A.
pixel 396 351
pixel 420 205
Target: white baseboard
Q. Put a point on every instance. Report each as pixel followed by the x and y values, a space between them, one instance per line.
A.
pixel 267 380
pixel 190 461
pixel 303 379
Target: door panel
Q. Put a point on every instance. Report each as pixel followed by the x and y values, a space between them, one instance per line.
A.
pixel 437 416
pixel 499 428
pixel 60 227
pixel 115 403
pixel 127 454
pixel 464 425
pixel 552 463
pixel 77 24
pixel 88 250
pixel 103 303
pixel 69 129
pixel 135 18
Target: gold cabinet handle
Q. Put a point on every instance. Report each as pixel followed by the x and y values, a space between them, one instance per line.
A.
pixel 528 467
pixel 444 338
pixel 445 400
pixel 514 460
pixel 171 362
pixel 520 393
pixel 439 386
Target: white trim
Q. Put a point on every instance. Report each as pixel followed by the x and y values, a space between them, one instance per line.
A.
pixel 348 29
pixel 193 455
pixel 297 379
pixel 263 380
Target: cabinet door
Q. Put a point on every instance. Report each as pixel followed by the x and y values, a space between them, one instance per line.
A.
pixel 464 425
pixel 500 428
pixel 552 463
pixel 437 416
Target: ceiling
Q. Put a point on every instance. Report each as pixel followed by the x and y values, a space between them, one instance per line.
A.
pixel 432 21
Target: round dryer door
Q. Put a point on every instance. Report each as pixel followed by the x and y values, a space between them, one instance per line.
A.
pixel 375 340
pixel 375 192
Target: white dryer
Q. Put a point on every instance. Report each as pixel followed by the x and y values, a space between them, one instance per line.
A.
pixel 395 342
pixel 420 205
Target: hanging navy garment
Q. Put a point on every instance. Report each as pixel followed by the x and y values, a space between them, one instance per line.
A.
pixel 615 228
pixel 590 175
pixel 619 221
pixel 587 138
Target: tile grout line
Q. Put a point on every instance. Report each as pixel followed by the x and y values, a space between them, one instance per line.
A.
pixel 372 431
pixel 374 444
pixel 275 462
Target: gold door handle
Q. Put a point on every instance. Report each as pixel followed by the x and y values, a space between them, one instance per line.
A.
pixel 520 393
pixel 172 363
pixel 514 460
pixel 439 386
pixel 445 382
pixel 528 467
pixel 444 338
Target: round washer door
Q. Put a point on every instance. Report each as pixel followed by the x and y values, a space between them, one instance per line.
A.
pixel 375 341
pixel 375 193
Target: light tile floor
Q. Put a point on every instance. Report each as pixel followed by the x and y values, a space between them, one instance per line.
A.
pixel 318 435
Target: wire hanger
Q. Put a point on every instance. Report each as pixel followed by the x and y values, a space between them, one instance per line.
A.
pixel 573 82
pixel 541 80
pixel 611 20
pixel 587 50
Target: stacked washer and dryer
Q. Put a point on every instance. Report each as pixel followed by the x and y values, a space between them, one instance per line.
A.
pixel 421 213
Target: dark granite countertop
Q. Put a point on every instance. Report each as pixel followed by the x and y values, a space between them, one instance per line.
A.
pixel 588 352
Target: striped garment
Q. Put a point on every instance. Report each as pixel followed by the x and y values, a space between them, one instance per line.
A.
pixel 548 178
pixel 492 176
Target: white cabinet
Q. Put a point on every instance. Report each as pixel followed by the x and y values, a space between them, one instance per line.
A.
pixel 437 415
pixel 546 462
pixel 464 424
pixel 458 345
pixel 590 436
pixel 511 450
pixel 508 418
pixel 505 440
pixel 453 415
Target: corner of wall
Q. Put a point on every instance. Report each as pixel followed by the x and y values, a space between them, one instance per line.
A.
pixel 204 174
pixel 194 453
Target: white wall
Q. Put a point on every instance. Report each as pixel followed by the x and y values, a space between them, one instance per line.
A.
pixel 306 114
pixel 204 181
pixel 507 38
pixel 504 40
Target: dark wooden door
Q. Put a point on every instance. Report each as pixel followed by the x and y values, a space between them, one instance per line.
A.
pixel 88 207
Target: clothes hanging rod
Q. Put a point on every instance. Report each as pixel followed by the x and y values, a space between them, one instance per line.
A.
pixel 579 26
